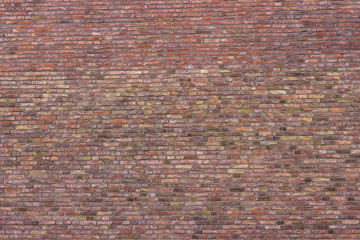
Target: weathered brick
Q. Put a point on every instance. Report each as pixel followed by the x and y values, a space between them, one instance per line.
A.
pixel 199 119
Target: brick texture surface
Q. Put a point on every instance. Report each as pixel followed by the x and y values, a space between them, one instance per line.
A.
pixel 179 119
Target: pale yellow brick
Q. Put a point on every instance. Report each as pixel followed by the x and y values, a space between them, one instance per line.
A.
pixel 23 127
pixel 288 138
pixel 184 166
pixel 278 92
pixel 133 72
pixel 234 171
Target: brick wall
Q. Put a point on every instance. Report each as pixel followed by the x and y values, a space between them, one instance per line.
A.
pixel 179 119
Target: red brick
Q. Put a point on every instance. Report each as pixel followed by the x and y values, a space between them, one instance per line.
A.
pixel 199 119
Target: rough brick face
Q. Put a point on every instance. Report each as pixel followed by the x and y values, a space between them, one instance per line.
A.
pixel 179 119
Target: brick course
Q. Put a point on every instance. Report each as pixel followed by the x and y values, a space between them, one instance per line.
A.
pixel 179 119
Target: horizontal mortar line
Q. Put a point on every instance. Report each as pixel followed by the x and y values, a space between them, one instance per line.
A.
pixel 243 55
pixel 215 171
pixel 233 64
pixel 128 84
pixel 219 139
pixel 185 5
pixel 277 61
pixel 276 51
pixel 190 111
pixel 285 35
pixel 177 114
pixel 262 147
pixel 100 16
pixel 168 35
pixel 175 41
pixel 160 97
pixel 189 72
pixel 235 134
pixel 28 108
pixel 194 57
pixel 201 136
pixel 315 29
pixel 115 108
pixel 209 24
pixel 349 119
pixel 179 77
pixel 182 17
pixel 174 15
pixel 146 69
pixel 178 28
pixel 127 107
pixel 194 54
pixel 154 2
pixel 139 56
pixel 179 11
pixel 250 143
pixel 347 165
pixel 288 36
pixel 167 88
pixel 95 9
pixel 124 48
pixel 247 172
pixel 229 176
pixel 195 205
pixel 204 114
pixel 187 201
pixel 168 3
pixel 247 16
pixel 176 78
pixel 100 140
pixel 156 47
